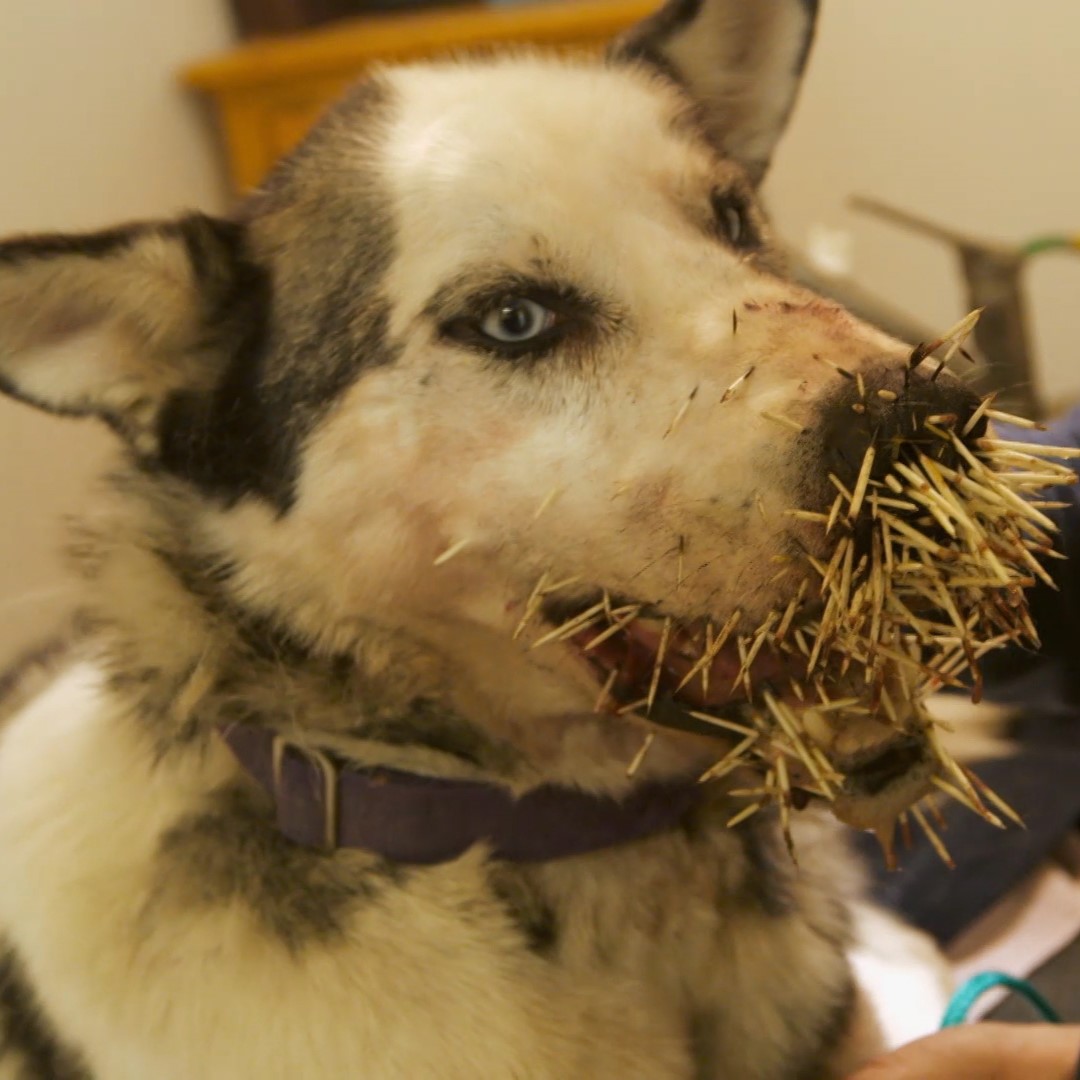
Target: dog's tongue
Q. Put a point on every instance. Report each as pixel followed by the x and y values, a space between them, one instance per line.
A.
pixel 633 655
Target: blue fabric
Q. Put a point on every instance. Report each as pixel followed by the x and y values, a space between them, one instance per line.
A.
pixel 1042 781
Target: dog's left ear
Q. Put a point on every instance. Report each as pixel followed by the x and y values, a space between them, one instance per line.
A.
pixel 741 59
pixel 113 324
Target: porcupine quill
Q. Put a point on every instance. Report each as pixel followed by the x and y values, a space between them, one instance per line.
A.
pixel 951 532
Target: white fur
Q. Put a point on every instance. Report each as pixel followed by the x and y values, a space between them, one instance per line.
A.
pixel 209 995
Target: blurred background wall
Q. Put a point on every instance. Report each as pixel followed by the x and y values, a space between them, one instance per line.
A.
pixel 964 111
pixel 93 130
pixel 961 110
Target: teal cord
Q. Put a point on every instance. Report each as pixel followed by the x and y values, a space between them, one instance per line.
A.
pixel 964 999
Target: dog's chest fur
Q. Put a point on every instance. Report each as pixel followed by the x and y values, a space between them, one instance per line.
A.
pixel 172 933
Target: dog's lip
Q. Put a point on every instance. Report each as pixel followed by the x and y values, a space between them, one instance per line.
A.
pixel 624 664
pixel 633 653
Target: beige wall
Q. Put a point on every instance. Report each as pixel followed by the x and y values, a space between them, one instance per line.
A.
pixel 93 130
pixel 964 110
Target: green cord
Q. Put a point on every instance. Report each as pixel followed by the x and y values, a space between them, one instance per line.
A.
pixel 1037 245
pixel 964 999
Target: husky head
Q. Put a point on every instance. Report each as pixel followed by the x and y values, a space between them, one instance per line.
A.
pixel 503 343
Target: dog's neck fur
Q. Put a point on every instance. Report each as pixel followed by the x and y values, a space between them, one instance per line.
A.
pixel 188 657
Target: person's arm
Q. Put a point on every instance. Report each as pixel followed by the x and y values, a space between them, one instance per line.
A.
pixel 984 1052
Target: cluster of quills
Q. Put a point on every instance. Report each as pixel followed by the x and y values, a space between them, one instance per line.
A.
pixel 928 561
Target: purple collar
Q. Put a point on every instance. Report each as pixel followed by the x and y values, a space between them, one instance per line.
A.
pixel 321 802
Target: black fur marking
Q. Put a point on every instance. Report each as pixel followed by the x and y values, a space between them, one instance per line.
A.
pixel 532 915
pixel 26 1032
pixel 221 440
pixel 94 245
pixel 31 671
pixel 649 43
pixel 299 318
pixel 771 878
pixel 647 52
pixel 647 39
pixel 702 1038
pixel 811 9
pixel 234 852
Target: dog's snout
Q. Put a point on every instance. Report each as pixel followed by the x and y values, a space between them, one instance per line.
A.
pixel 887 405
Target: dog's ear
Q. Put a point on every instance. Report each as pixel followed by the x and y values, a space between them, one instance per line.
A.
pixel 111 324
pixel 742 60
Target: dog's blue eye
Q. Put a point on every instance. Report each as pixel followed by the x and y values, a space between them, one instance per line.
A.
pixel 733 221
pixel 517 319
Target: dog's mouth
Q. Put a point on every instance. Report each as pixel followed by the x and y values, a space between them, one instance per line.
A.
pixel 910 574
pixel 826 737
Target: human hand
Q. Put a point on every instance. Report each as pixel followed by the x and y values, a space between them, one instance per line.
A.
pixel 983 1052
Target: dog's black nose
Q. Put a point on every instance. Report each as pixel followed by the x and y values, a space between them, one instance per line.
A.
pixel 889 406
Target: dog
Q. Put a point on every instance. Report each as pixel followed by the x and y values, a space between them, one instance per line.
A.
pixel 337 780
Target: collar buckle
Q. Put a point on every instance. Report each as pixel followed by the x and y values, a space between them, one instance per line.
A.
pixel 290 786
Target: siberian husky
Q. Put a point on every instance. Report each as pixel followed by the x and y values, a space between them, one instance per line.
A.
pixel 340 781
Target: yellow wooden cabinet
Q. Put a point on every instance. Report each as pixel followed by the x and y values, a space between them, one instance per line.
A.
pixel 267 93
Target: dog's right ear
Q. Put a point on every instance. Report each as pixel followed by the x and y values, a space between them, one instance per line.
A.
pixel 111 324
pixel 741 60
